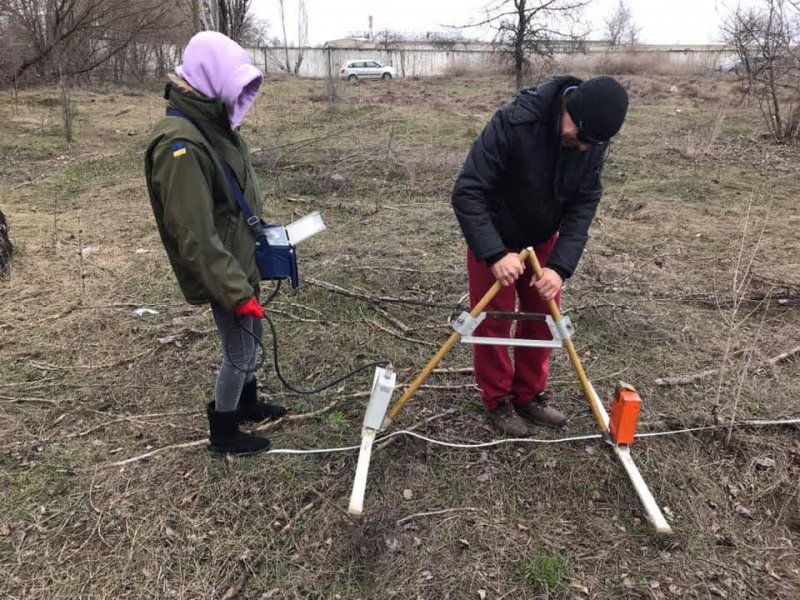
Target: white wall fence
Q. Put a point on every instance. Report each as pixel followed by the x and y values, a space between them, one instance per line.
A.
pixel 428 62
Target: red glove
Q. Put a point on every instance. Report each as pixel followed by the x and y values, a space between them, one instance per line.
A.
pixel 251 308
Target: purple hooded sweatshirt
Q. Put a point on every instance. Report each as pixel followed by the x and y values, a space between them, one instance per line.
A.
pixel 219 68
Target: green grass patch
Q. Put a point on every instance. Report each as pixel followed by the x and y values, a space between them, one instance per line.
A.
pixel 546 572
pixel 337 420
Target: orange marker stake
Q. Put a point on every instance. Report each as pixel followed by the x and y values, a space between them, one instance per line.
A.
pixel 625 414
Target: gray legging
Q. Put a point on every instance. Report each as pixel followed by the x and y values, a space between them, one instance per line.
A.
pixel 239 349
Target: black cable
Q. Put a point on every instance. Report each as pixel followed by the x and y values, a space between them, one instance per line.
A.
pixel 274 293
pixel 289 386
pixel 377 363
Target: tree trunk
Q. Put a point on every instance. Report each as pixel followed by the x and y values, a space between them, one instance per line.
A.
pixel 519 40
pixel 6 249
pixel 196 15
pixel 224 18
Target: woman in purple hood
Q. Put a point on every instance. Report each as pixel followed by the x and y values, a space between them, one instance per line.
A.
pixel 194 159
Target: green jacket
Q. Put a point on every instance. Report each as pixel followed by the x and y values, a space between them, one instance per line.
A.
pixel 206 236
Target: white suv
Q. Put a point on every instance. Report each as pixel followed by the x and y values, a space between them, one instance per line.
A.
pixel 367 69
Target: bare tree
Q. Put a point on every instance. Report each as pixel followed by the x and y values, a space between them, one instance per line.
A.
pixel 74 37
pixel 6 249
pixel 282 7
pixel 527 29
pixel 767 39
pixel 233 17
pixel 285 63
pixel 256 32
pixel 302 33
pixel 620 27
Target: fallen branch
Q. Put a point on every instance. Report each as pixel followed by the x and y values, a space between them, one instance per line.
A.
pixel 438 512
pixel 393 320
pixel 60 315
pixel 433 386
pixel 16 400
pixel 783 356
pixel 686 379
pixel 270 425
pixel 280 422
pixel 371 298
pixel 127 461
pixel 131 418
pixel 309 415
pixel 446 413
pixel 400 336
pixel 703 300
pixel 294 317
pixel 285 305
pixel 29 384
pixel 691 378
pixel 50 367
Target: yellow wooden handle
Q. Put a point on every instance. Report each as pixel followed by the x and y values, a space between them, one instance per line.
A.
pixel 588 390
pixel 448 346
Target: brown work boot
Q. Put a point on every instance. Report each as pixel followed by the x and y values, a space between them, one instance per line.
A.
pixel 539 412
pixel 506 421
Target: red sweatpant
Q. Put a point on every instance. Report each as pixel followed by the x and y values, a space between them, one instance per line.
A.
pixel 495 375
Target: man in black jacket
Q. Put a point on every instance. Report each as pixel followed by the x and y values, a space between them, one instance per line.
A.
pixel 532 178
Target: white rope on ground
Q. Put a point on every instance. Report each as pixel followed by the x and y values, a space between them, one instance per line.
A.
pixel 406 433
pixel 722 426
pixel 578 438
pixel 470 446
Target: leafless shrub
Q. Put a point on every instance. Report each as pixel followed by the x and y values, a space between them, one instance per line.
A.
pixel 529 32
pixel 731 375
pixel 701 143
pixel 766 38
pixel 75 37
pixel 465 69
pixel 620 27
pixel 6 249
pixel 639 63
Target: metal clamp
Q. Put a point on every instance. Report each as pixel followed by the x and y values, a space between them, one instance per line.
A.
pixel 560 331
pixel 565 328
pixel 466 324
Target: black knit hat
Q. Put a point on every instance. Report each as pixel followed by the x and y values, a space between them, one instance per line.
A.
pixel 598 108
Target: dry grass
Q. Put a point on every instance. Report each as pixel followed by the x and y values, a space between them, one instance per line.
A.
pixel 85 382
pixel 640 63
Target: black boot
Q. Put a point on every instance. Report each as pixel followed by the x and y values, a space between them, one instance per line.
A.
pixel 226 438
pixel 253 410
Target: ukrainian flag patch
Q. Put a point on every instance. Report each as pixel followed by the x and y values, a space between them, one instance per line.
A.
pixel 178 150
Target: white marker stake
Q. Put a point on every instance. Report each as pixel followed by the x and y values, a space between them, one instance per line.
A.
pixel 382 387
pixel 650 505
pixel 645 496
pixel 362 470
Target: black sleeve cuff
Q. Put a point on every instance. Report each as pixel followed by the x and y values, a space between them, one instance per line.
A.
pixel 495 257
pixel 561 272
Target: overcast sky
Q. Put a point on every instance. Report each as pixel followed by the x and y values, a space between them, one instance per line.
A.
pixel 661 21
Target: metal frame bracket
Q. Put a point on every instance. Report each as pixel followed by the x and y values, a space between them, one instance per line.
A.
pixel 466 324
pixel 565 328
